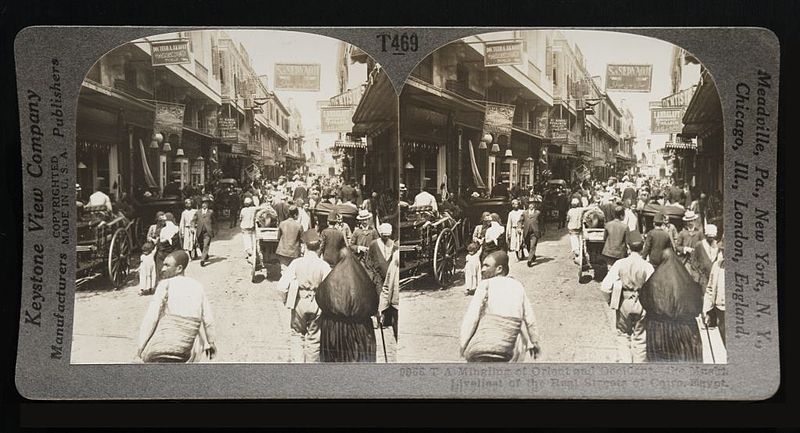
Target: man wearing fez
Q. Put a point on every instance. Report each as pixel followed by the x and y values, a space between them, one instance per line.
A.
pixel 300 281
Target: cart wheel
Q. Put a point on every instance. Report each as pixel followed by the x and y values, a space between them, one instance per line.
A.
pixel 582 259
pixel 444 257
pixel 118 258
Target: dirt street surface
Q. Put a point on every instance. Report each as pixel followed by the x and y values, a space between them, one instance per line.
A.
pixel 251 322
pixel 575 324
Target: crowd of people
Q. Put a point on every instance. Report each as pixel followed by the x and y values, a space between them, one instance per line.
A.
pixel 658 279
pixel 338 266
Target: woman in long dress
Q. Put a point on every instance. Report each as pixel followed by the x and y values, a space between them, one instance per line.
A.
pixel 347 299
pixel 514 229
pixel 672 300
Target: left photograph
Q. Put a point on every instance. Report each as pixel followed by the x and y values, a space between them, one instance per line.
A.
pixel 237 201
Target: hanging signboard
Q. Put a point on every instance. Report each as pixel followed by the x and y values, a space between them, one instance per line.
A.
pixel 582 173
pixel 666 120
pixel 240 148
pixel 558 128
pixel 351 97
pixel 629 78
pixel 503 53
pixel 227 128
pixel 680 145
pixel 680 99
pixel 297 77
pixel 170 53
pixel 498 119
pixel 168 119
pixel 336 119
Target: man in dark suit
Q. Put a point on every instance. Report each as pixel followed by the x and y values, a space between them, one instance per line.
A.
pixel 615 246
pixel 205 228
pixel 531 228
pixel 658 240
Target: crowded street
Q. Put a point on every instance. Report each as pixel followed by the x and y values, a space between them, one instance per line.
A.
pixel 251 318
pixel 575 324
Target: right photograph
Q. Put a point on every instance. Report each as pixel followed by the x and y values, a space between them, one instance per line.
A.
pixel 561 201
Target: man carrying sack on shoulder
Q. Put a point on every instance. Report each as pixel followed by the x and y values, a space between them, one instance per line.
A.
pixel 178 326
pixel 499 325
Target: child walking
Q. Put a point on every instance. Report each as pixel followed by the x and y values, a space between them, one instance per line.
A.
pixel 147 270
pixel 472 269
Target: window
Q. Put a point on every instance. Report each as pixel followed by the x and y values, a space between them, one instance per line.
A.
pixel 462 73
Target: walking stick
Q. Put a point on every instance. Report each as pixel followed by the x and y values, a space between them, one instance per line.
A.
pixel 710 346
pixel 383 341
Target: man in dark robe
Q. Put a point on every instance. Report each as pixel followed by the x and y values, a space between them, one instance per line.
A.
pixel 333 240
pixel 348 300
pixel 672 301
pixel 658 240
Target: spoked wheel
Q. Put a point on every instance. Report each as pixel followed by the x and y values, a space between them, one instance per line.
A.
pixel 118 258
pixel 581 258
pixel 444 257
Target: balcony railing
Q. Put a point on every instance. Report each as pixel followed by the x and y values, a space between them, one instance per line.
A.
pixel 534 127
pixel 461 88
pixel 131 89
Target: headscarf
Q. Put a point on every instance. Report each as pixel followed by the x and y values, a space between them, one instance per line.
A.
pixel 671 292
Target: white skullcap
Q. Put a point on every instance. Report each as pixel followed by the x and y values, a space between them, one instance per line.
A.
pixel 711 230
pixel 385 229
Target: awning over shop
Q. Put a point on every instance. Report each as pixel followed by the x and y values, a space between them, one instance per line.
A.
pixel 704 112
pixel 671 145
pixel 377 109
pixel 340 144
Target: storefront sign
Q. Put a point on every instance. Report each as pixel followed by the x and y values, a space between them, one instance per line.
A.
pixel 168 119
pixel 499 119
pixel 298 77
pixel 558 128
pixel 349 98
pixel 170 53
pixel 666 120
pixel 629 78
pixel 680 99
pixel 240 148
pixel 228 130
pixel 582 173
pixel 336 119
pixel 680 145
pixel 503 54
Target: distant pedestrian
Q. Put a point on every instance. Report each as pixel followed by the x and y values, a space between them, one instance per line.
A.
pixel 472 268
pixel 714 299
pixel 657 241
pixel 514 229
pixel 532 228
pixel 615 247
pixel 289 233
pixel 389 299
pixel 205 228
pixel 148 273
